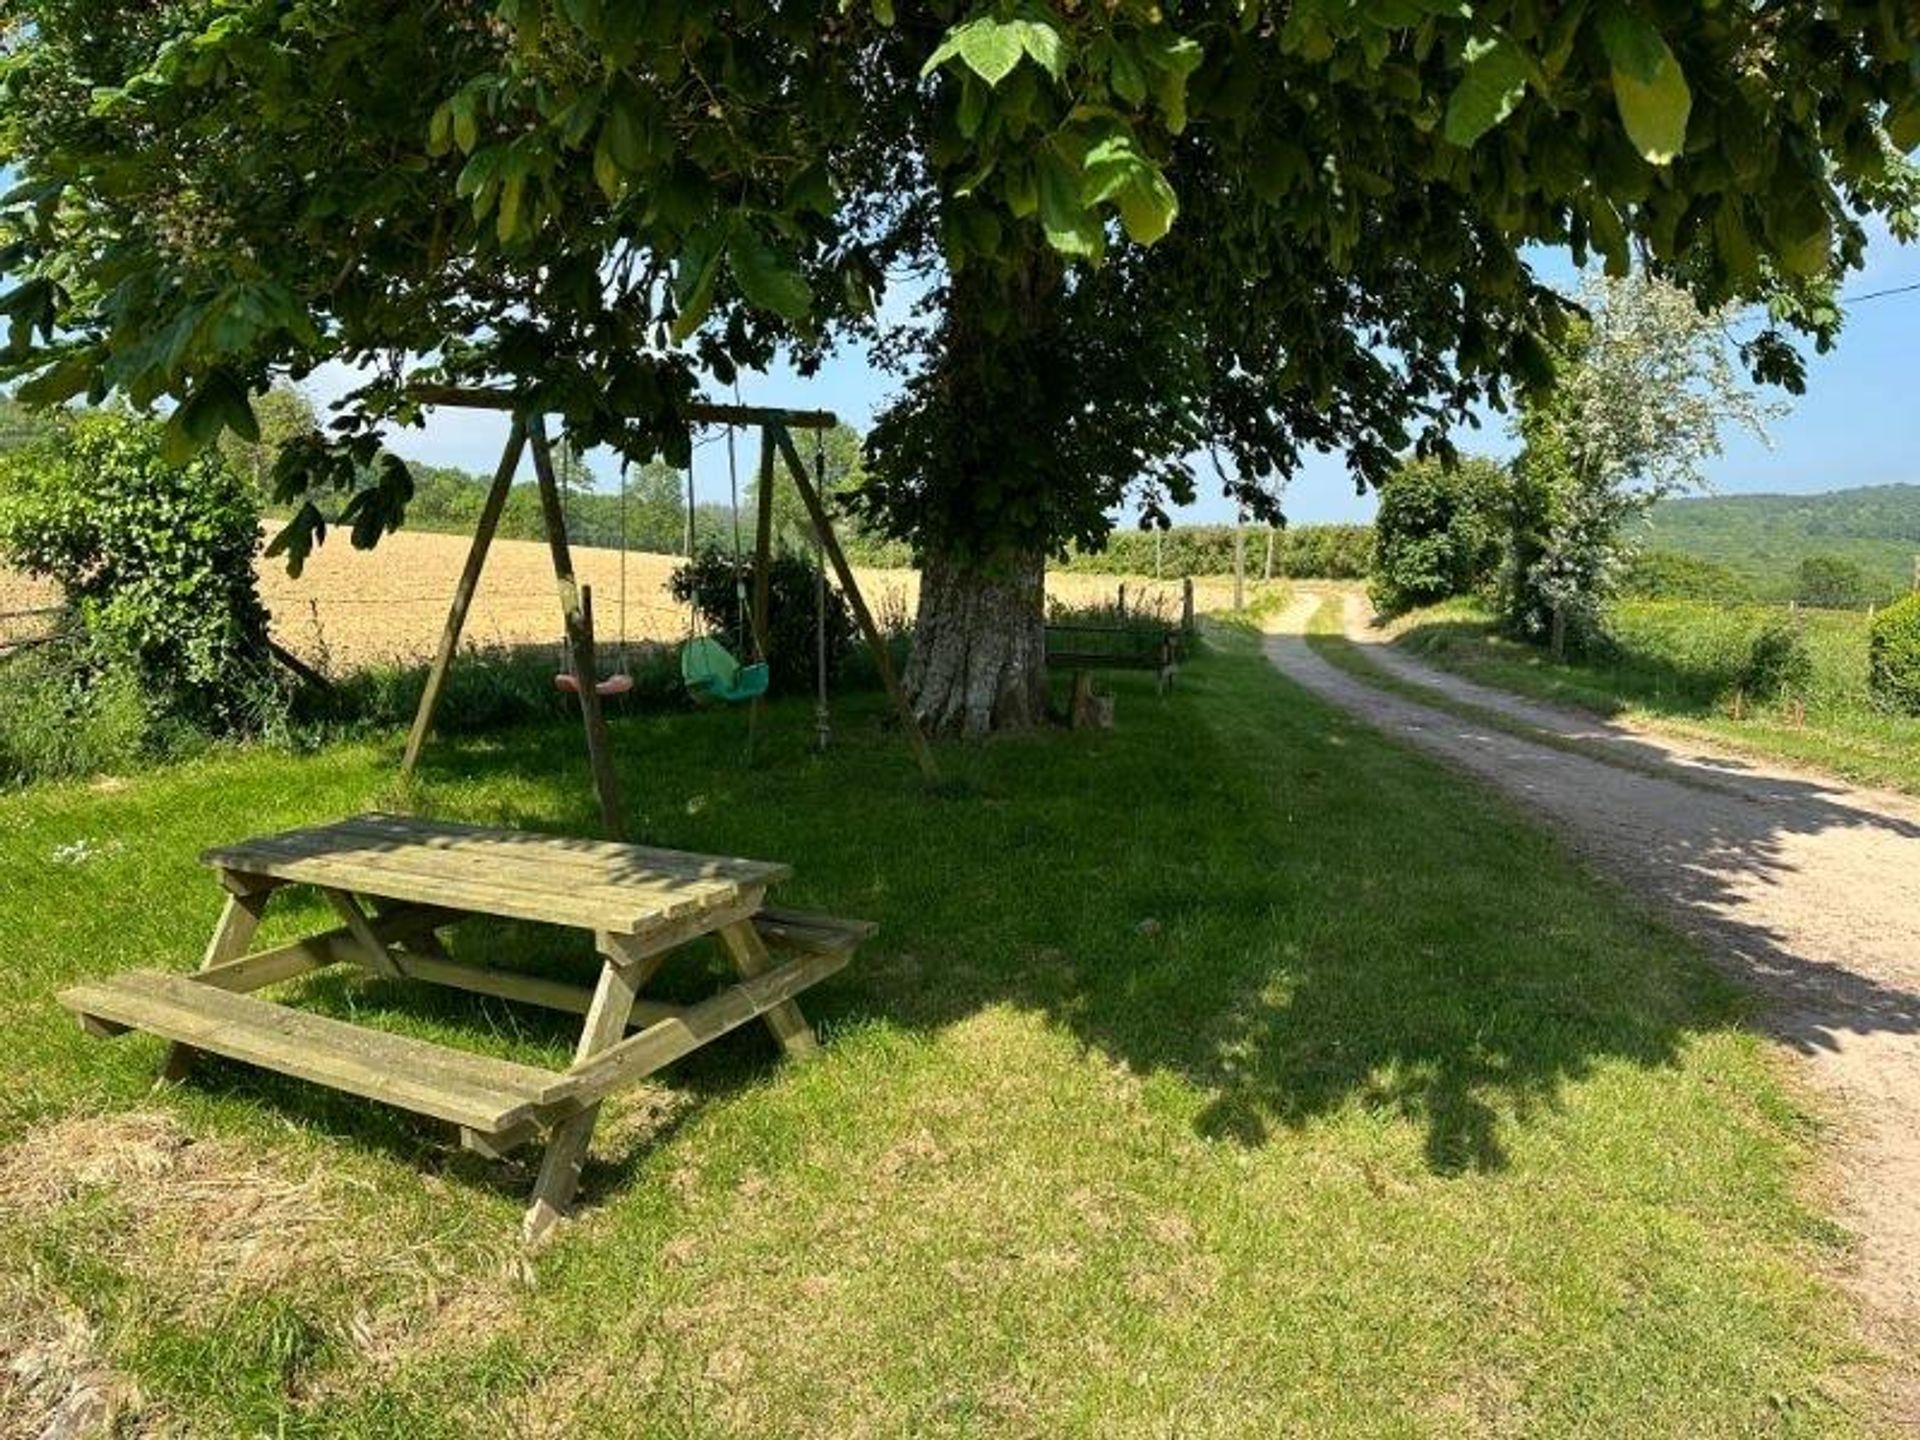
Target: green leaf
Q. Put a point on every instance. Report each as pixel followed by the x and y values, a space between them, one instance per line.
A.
pixel 466 126
pixel 765 279
pixel 1116 169
pixel 60 382
pixel 624 135
pixel 440 129
pixel 607 173
pixel 991 48
pixel 973 106
pixel 1648 87
pixel 1124 74
pixel 1632 43
pixel 694 275
pixel 1043 46
pixel 1495 79
pixel 1903 125
pixel 507 220
pixel 1147 207
pixel 1070 226
pixel 1174 58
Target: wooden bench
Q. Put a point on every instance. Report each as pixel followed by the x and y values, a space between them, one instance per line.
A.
pixel 1085 649
pixel 419 877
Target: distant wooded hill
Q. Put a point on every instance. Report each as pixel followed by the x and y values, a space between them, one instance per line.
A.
pixel 1763 538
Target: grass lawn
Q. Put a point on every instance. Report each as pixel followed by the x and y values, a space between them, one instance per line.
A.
pixel 1675 667
pixel 1229 1073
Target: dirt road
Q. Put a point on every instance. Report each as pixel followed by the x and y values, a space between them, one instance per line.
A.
pixel 1806 888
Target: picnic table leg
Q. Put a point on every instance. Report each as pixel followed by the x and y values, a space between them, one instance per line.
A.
pixel 232 934
pixel 750 958
pixel 620 981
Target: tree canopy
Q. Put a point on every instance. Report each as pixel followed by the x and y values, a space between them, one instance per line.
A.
pixel 1138 229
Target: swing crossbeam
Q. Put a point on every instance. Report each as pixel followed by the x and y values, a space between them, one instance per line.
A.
pixel 700 412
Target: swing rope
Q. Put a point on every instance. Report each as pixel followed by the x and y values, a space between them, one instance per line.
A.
pixel 620 682
pixel 822 715
pixel 709 670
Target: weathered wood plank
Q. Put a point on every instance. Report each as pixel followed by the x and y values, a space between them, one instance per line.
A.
pixel 239 918
pixel 520 885
pixel 478 897
pixel 480 1092
pixel 578 617
pixel 639 1055
pixel 523 871
pixel 605 860
pixel 803 930
pixel 525 989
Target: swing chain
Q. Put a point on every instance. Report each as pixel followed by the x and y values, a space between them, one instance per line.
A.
pixel 822 715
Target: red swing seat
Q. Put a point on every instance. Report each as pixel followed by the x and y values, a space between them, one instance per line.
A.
pixel 612 685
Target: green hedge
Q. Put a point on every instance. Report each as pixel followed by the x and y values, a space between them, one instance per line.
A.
pixel 1300 552
pixel 1893 656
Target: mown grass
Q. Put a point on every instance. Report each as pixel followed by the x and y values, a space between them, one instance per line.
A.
pixel 1232 1072
pixel 1675 664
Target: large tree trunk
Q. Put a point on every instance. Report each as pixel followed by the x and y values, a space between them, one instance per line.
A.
pixel 983 477
pixel 979 649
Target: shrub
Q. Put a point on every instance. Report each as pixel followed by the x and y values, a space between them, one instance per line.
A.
pixel 1777 661
pixel 1832 582
pixel 721 586
pixel 155 560
pixel 1437 533
pixel 1674 575
pixel 61 718
pixel 1893 656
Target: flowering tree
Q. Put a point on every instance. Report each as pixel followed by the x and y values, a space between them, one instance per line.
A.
pixel 1647 388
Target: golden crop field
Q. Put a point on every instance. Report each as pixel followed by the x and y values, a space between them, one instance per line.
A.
pixel 353 608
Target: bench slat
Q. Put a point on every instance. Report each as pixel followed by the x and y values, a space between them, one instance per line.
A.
pixel 479 1092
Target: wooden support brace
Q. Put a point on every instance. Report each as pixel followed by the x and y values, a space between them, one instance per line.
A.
pixel 379 958
pixel 750 958
pixel 410 925
pixel 232 933
pixel 621 978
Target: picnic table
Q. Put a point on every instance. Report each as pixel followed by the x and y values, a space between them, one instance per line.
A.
pixel 395 882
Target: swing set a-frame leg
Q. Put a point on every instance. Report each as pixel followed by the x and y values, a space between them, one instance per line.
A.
pixel 579 623
pixel 463 594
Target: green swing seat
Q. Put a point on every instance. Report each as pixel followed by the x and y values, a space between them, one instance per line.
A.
pixel 711 672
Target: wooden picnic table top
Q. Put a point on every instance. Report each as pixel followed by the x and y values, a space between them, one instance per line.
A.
pixel 516 874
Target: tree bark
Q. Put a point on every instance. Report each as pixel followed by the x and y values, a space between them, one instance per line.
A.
pixel 980 648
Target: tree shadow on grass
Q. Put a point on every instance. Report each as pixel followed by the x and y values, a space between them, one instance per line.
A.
pixel 1237 888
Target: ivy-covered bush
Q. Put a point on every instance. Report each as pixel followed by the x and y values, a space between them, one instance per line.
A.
pixel 1893 656
pixel 712 576
pixel 155 561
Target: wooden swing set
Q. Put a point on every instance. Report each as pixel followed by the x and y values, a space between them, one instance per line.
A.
pixel 528 431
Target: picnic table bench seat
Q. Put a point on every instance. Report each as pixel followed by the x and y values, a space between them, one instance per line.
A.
pixel 418 877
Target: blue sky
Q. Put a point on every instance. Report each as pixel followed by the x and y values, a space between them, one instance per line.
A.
pixel 1858 423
